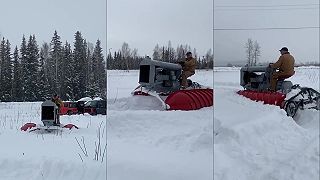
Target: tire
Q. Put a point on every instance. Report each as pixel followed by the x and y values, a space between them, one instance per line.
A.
pixel 291 108
pixel 318 104
pixel 94 113
pixel 69 113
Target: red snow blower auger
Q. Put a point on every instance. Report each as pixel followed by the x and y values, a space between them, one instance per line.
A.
pixel 256 82
pixel 49 118
pixel 161 80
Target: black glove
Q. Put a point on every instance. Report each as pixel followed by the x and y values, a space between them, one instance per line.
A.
pixel 181 63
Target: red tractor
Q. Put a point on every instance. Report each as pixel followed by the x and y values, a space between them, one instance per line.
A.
pixel 69 108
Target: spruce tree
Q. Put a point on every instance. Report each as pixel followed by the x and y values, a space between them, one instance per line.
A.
pixel 32 66
pixel 69 73
pixel 54 62
pixel 7 73
pixel 17 78
pixel 44 88
pixel 98 86
pixel 79 55
pixel 23 69
pixel 2 59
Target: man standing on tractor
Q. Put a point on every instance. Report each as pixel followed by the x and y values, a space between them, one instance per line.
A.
pixel 56 99
pixel 285 64
pixel 188 69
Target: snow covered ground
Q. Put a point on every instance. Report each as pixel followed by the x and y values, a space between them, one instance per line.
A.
pixel 145 142
pixel 49 156
pixel 241 140
pixel 257 141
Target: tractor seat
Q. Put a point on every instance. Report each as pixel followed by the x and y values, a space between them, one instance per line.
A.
pixel 283 78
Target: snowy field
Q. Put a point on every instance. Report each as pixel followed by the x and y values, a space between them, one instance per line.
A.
pixel 241 140
pixel 257 141
pixel 49 156
pixel 145 142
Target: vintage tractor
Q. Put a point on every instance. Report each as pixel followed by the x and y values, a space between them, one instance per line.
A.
pixel 256 82
pixel 49 118
pixel 162 81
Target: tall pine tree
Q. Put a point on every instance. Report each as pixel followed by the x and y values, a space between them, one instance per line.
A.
pixel 2 59
pixel 17 78
pixel 69 73
pixel 79 55
pixel 44 88
pixel 6 71
pixel 98 80
pixel 32 66
pixel 23 67
pixel 54 62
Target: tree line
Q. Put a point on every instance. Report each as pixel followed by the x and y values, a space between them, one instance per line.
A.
pixel 33 73
pixel 127 58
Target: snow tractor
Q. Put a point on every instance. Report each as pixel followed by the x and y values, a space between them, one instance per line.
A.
pixel 256 82
pixel 49 118
pixel 162 81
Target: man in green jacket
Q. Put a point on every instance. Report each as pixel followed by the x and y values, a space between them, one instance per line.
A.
pixel 285 64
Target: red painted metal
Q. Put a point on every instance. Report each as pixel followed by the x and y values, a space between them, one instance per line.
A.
pixel 260 96
pixel 190 99
pixel 27 126
pixel 70 126
pixel 273 98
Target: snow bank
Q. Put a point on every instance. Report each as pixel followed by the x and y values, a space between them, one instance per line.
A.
pixel 85 99
pixel 146 142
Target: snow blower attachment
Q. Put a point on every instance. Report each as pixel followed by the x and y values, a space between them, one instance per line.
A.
pixel 162 80
pixel 49 118
pixel 256 82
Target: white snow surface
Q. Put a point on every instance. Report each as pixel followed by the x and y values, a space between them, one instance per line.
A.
pixel 85 99
pixel 146 142
pixel 49 156
pixel 97 98
pixel 259 142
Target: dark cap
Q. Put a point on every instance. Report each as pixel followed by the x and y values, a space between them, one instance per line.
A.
pixel 284 49
pixel 188 53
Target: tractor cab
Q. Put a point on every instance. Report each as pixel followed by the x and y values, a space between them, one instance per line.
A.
pixel 161 77
pixel 49 113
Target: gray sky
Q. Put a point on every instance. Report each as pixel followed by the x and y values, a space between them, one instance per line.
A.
pixel 303 43
pixel 144 23
pixel 42 17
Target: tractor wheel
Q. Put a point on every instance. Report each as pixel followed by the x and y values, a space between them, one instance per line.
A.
pixel 318 104
pixel 291 108
pixel 93 113
pixel 69 113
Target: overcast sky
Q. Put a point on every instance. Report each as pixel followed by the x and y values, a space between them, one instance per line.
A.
pixel 144 23
pixel 42 17
pixel 303 43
